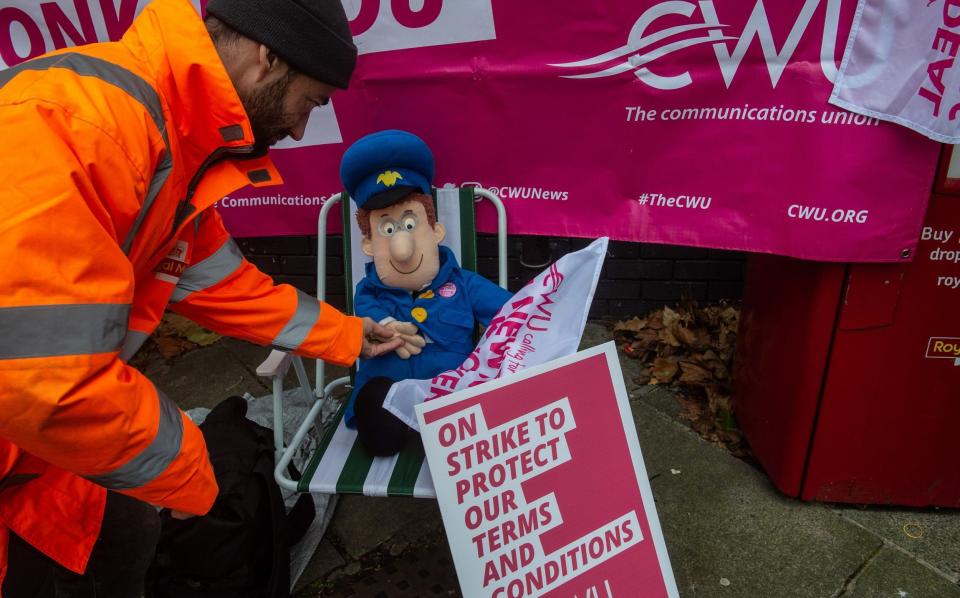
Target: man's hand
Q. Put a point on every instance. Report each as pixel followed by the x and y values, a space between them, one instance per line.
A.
pixel 378 339
pixel 413 343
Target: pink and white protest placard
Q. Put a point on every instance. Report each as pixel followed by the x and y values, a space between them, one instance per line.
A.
pixel 518 464
pixel 667 121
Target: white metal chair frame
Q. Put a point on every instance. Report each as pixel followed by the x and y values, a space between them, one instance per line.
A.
pixel 278 363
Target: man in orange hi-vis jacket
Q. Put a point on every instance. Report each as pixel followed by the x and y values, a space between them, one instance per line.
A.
pixel 112 157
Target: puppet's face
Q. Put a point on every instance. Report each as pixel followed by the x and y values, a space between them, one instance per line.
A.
pixel 403 245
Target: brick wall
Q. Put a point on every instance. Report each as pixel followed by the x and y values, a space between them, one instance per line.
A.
pixel 636 277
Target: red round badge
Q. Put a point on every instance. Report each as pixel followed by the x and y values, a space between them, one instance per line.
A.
pixel 448 290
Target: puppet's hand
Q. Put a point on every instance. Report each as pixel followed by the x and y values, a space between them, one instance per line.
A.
pixel 408 328
pixel 413 343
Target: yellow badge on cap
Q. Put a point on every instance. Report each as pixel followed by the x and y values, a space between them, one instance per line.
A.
pixel 427 295
pixel 419 314
pixel 389 178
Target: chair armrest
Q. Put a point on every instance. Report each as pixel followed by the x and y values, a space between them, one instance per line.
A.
pixel 276 364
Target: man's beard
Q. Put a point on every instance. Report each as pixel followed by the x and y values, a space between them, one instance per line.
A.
pixel 265 111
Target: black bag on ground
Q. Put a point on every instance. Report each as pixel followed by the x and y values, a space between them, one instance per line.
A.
pixel 241 548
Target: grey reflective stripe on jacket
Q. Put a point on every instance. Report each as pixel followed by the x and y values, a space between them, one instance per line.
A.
pixel 132 343
pixel 209 272
pixel 57 330
pixel 300 325
pixel 153 460
pixel 133 85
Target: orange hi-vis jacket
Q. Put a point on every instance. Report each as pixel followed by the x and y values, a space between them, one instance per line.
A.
pixel 112 157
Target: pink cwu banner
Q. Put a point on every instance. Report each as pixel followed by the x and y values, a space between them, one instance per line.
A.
pixel 693 123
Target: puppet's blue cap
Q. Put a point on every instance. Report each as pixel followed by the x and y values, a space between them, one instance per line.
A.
pixel 384 167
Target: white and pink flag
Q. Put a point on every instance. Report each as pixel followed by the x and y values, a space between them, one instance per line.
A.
pixel 542 322
pixel 899 66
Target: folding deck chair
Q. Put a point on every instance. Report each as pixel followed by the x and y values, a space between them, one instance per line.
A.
pixel 340 465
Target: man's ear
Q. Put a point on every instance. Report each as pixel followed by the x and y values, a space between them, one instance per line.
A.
pixel 267 64
pixel 366 246
pixel 439 232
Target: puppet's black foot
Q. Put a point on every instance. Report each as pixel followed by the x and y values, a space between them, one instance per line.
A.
pixel 380 432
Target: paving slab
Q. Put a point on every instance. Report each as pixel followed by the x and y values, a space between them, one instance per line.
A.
pixel 893 574
pixel 363 523
pixel 204 377
pixel 930 535
pixel 730 533
pixel 326 560
pixel 249 354
pixel 427 571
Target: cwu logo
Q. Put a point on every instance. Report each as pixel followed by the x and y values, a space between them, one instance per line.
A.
pixel 648 43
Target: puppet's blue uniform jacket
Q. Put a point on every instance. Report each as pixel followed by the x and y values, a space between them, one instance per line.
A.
pixel 453 303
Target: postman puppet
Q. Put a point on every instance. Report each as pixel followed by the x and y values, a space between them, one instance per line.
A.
pixel 413 285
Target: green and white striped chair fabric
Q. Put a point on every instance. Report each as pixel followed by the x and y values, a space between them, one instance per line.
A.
pixel 340 464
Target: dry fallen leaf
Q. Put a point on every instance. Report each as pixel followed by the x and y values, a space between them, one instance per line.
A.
pixel 177 335
pixel 632 325
pixel 670 317
pixel 667 336
pixel 663 370
pixel 190 330
pixel 655 321
pixel 730 314
pixel 694 374
pixel 717 400
pixel 685 336
pixel 690 409
pixel 169 346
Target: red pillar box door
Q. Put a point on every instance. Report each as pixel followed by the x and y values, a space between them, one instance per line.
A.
pixel 847 377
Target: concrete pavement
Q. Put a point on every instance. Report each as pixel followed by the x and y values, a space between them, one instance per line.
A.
pixel 728 531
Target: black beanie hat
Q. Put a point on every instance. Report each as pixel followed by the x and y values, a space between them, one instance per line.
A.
pixel 313 36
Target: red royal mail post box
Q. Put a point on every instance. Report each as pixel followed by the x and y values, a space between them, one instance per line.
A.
pixel 847 376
